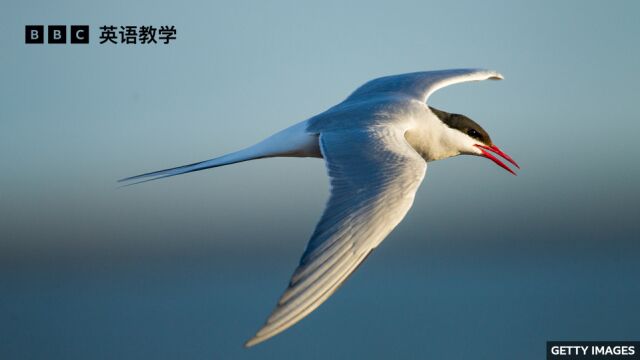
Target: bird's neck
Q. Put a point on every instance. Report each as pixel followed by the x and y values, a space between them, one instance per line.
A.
pixel 433 139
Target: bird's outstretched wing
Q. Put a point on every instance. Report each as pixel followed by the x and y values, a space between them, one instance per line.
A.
pixel 420 85
pixel 374 175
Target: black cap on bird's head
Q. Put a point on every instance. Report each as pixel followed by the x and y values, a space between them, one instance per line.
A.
pixel 473 130
pixel 464 125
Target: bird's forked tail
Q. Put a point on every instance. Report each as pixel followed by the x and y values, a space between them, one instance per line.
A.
pixel 290 142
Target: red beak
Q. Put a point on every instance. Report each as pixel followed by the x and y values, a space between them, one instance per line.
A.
pixel 497 150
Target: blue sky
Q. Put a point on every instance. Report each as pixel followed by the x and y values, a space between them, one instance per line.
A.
pixel 75 118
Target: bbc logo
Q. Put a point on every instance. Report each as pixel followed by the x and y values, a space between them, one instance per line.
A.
pixel 56 34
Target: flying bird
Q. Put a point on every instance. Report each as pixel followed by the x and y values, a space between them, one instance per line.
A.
pixel 376 145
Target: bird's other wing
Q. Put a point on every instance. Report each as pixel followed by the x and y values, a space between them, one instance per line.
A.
pixel 420 85
pixel 374 175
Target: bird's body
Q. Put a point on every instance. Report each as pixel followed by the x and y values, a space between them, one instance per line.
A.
pixel 376 145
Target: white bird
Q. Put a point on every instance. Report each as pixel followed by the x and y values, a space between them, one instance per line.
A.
pixel 376 145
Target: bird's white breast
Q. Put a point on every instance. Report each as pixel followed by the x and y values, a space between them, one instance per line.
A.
pixel 427 134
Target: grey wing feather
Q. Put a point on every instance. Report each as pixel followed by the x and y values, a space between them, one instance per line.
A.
pixel 420 85
pixel 374 176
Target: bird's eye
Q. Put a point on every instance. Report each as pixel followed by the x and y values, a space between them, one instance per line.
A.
pixel 473 133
